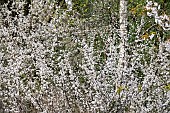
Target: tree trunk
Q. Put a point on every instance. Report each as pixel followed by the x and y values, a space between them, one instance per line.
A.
pixel 123 40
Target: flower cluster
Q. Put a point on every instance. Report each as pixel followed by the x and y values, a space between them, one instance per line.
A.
pixel 162 20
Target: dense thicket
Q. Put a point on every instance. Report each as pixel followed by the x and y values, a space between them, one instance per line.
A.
pixel 62 58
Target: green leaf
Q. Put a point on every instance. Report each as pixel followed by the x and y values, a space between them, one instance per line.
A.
pixel 167 87
pixel 82 79
pixel 23 76
pixel 120 89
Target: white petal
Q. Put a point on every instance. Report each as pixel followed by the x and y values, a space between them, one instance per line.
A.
pixel 155 4
pixel 151 36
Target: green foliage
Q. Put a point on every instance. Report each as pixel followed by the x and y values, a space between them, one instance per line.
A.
pixel 99 47
pixel 167 87
pixel 165 4
pixel 84 7
pixel 140 74
pixel 82 79
pixel 120 89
